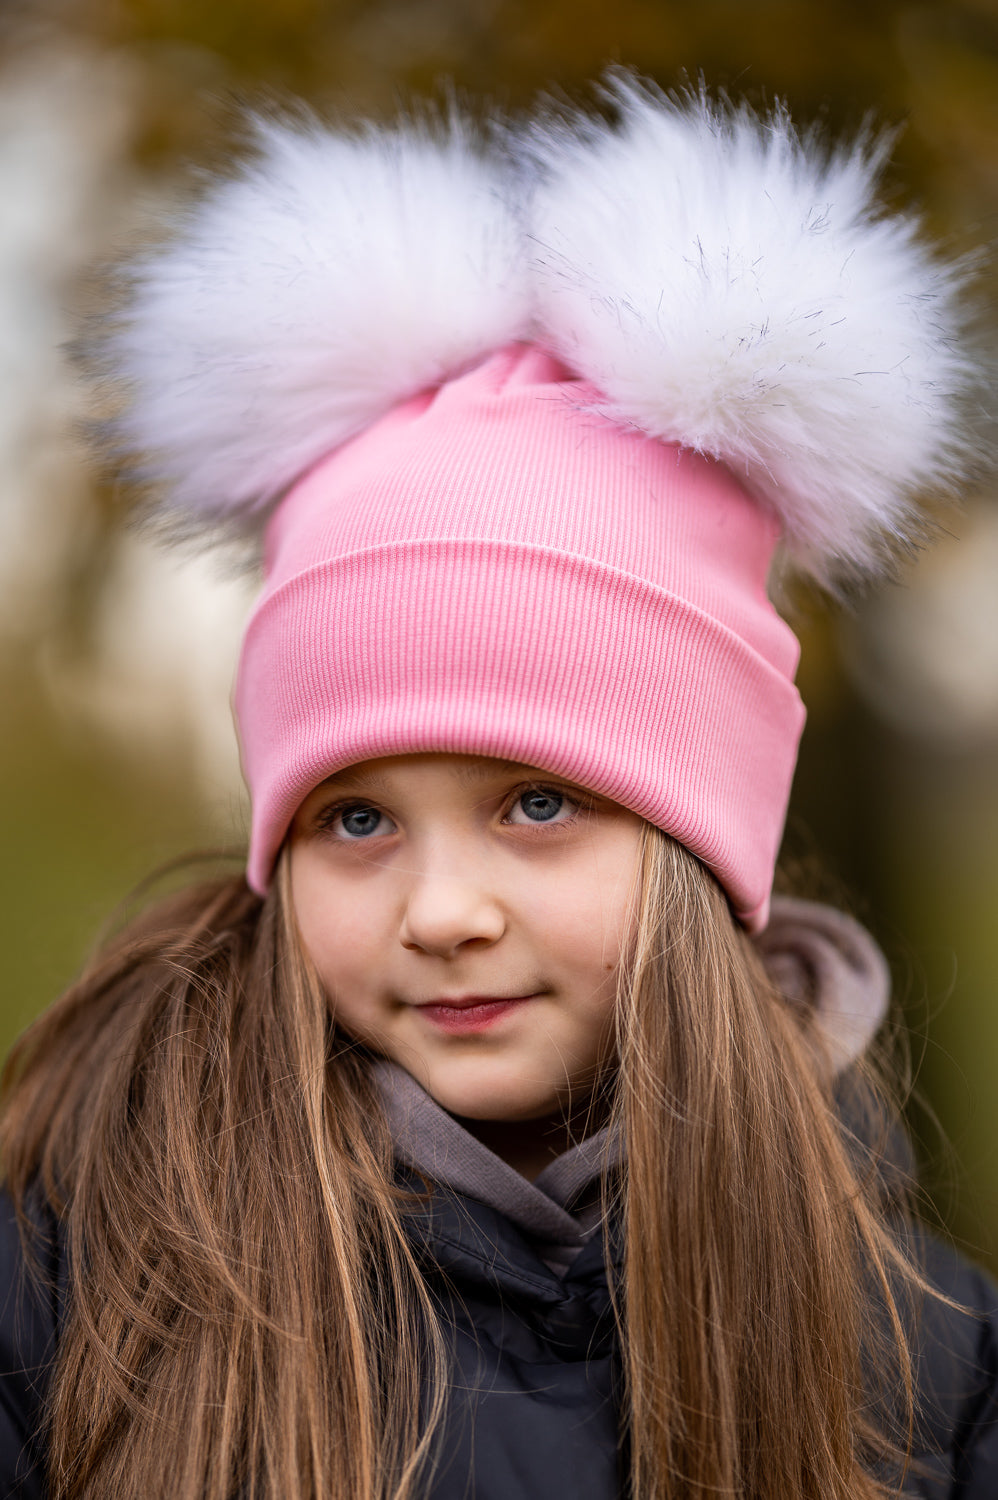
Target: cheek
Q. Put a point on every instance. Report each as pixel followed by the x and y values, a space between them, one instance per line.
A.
pixel 592 917
pixel 339 926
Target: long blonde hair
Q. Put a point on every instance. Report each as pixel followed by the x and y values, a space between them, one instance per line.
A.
pixel 761 1280
pixel 245 1313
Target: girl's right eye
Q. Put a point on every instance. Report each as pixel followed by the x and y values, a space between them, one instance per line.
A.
pixel 353 824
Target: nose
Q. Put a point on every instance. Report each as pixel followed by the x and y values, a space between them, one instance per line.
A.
pixel 446 909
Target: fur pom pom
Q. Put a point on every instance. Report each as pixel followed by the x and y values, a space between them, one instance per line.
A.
pixel 335 277
pixel 732 287
pixel 727 284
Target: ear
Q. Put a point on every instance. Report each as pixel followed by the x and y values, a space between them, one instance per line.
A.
pixel 820 958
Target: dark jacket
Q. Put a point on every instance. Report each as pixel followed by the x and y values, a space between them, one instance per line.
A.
pixel 533 1410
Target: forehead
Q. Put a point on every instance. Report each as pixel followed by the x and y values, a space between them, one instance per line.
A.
pixel 391 771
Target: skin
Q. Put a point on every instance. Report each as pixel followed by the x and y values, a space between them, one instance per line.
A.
pixel 423 878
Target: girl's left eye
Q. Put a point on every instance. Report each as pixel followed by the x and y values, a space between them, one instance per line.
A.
pixel 540 804
pixel 358 822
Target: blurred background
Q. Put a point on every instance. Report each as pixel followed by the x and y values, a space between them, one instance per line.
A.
pixel 116 750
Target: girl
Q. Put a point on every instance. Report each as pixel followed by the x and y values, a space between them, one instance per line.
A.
pixel 494 1136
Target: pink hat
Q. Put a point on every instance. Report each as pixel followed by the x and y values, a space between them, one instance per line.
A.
pixel 528 426
pixel 493 568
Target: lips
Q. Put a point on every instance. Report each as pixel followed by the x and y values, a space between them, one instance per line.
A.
pixel 464 1013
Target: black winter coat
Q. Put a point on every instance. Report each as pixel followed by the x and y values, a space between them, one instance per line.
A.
pixel 533 1410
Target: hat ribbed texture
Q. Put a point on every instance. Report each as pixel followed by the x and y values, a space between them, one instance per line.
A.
pixel 495 568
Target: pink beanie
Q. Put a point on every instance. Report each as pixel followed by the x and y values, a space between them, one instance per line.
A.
pixel 528 427
pixel 492 568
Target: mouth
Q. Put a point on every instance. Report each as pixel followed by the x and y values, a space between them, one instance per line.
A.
pixel 464 1013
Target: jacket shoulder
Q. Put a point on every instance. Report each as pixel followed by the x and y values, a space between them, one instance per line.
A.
pixel 956 1371
pixel 30 1292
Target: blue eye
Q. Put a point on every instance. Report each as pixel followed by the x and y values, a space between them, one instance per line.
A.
pixel 360 822
pixel 541 805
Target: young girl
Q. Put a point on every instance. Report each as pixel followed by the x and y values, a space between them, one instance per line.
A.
pixel 494 1136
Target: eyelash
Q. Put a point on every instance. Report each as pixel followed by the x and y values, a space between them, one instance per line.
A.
pixel 576 802
pixel 326 819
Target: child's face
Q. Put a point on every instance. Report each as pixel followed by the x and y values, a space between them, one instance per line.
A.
pixel 424 880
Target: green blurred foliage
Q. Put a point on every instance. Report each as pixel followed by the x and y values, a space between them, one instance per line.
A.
pixel 836 61
pixel 82 824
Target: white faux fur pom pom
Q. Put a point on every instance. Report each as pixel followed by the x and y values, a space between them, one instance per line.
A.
pixel 733 287
pixel 335 277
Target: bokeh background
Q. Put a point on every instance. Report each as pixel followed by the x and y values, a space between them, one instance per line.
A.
pixel 116 751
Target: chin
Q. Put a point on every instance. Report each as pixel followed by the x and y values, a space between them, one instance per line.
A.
pixel 482 1099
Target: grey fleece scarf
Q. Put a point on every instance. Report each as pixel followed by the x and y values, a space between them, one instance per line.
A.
pixel 813 954
pixel 558 1212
